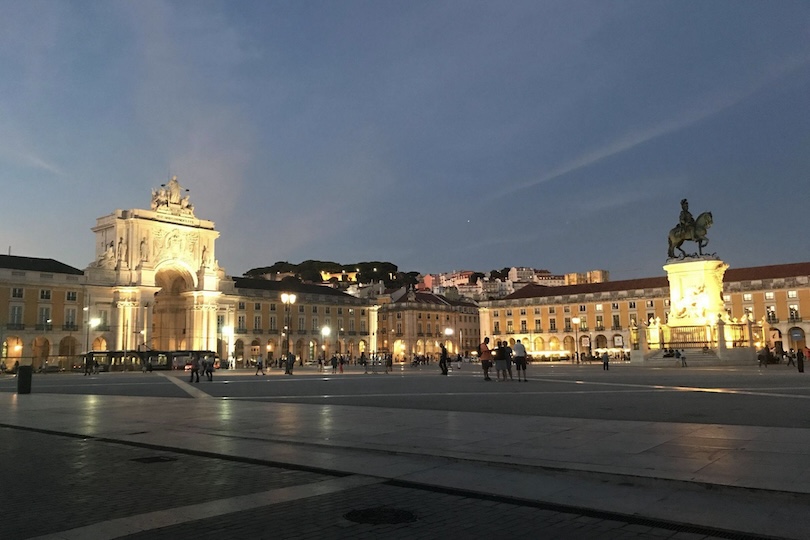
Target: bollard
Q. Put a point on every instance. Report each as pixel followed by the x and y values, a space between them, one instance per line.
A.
pixel 24 374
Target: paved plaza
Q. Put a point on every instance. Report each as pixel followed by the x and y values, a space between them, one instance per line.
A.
pixel 575 452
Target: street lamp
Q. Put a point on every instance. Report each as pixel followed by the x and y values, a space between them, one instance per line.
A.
pixel 448 332
pixel 575 321
pixel 92 323
pixel 287 299
pixel 325 331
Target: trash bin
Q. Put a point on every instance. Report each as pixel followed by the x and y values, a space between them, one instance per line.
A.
pixel 24 379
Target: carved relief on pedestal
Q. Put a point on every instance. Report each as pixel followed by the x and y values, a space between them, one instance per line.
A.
pixel 174 244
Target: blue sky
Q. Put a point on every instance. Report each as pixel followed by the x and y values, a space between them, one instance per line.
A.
pixel 435 135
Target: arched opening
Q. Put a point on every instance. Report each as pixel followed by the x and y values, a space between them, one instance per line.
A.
pixel 797 338
pixel 41 348
pixel 553 344
pixel 99 344
pixel 68 350
pixel 169 313
pixel 601 342
pixel 539 344
pixel 569 344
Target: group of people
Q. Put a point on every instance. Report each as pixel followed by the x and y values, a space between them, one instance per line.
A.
pixel 502 355
pixel 287 361
pixel 204 364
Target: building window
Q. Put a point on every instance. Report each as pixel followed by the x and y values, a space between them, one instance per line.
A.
pixel 598 307
pixel 600 324
pixel 523 326
pixel 768 296
pixel 220 323
pixel 537 311
pixel 552 310
pixel 418 315
pixel 17 292
pixel 428 327
pixel 747 297
pixel 616 324
pixel 567 324
pixel 16 315
pixel 257 306
pixel 496 329
pixel 340 311
pixel 791 294
pixel 315 310
pixel 273 323
pixel 649 303
pixel 71 296
pixel 257 322
pixel 399 315
pixel 351 325
pixel 508 312
pixel 749 312
pixel 614 306
pixel 240 305
pixel 70 317
pixel 582 308
pixel 538 325
pixel 314 322
pixel 631 305
pixel 510 329
pixel 770 314
pixel 363 325
pixel 272 307
pixel 667 302
pixel 301 309
pixel 522 311
pixel 567 309
pixel 240 323
pixel 552 325
pixel 794 312
pixel 104 317
pixel 44 315
pixel 327 310
pixel 399 328
pixel 45 294
pixel 495 313
pixel 727 297
pixel 301 323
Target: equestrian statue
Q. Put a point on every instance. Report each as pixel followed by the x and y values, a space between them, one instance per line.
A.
pixel 689 228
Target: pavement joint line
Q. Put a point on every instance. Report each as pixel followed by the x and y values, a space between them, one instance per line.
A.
pixel 116 528
pixel 188 388
pixel 585 511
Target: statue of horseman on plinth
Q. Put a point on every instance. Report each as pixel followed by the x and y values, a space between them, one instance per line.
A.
pixel 689 228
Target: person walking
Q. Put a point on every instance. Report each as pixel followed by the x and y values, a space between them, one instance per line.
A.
pixel 443 359
pixel 683 359
pixel 88 364
pixel 334 362
pixel 289 363
pixel 485 355
pixel 520 360
pixel 800 356
pixel 195 369
pixel 605 361
pixel 259 365
pixel 507 356
pixel 791 357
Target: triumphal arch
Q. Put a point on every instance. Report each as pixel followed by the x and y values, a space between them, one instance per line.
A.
pixel 155 277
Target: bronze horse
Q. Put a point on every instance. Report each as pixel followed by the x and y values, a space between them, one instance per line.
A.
pixel 697 233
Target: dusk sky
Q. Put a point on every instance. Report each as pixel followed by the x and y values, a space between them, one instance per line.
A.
pixel 437 135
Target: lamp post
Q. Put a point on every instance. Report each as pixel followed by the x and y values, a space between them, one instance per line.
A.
pixel 287 299
pixel 575 321
pixel 325 331
pixel 448 333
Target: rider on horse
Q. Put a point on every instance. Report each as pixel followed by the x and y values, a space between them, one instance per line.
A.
pixel 686 221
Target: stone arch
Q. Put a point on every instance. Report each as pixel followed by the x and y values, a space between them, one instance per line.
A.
pixel 601 341
pixel 68 351
pixel 99 344
pixel 41 350
pixel 553 344
pixel 362 346
pixel 797 339
pixel 420 347
pixel 174 278
pixel 271 349
pixel 12 349
pixel 539 344
pixel 569 344
pixel 299 349
pixel 239 350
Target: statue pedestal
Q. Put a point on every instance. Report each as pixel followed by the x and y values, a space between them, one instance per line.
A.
pixel 695 291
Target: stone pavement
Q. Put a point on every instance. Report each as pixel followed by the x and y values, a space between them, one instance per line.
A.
pixel 453 471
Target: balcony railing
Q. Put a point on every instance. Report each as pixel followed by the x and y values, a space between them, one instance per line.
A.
pixel 772 319
pixel 103 328
pixel 538 330
pixel 70 327
pixel 240 331
pixel 795 319
pixel 15 326
pixel 616 327
pixel 44 327
pixel 273 331
pixel 258 331
pixel 599 328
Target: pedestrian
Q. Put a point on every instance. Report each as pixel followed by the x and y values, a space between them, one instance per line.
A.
pixel 88 364
pixel 500 361
pixel 800 356
pixel 259 365
pixel 341 361
pixel 208 362
pixel 443 359
pixel 605 361
pixel 520 360
pixel 485 355
pixel 791 357
pixel 290 363
pixel 334 362
pixel 195 369
pixel 683 359
pixel 507 356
